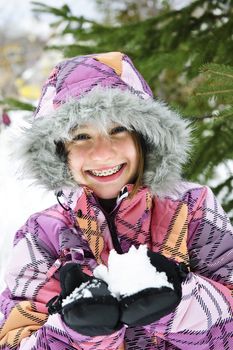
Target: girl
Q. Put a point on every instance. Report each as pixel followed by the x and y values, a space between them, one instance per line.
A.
pixel 114 156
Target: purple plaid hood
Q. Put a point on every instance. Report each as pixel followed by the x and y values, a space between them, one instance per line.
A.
pixel 102 89
pixel 77 76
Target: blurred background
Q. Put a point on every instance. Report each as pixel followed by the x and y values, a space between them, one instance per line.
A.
pixel 183 48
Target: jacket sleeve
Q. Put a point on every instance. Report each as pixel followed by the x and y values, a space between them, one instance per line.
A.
pixel 26 324
pixel 204 318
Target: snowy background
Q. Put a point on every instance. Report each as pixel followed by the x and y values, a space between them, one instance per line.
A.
pixel 23 21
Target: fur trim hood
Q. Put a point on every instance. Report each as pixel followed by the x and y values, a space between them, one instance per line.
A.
pixel 101 89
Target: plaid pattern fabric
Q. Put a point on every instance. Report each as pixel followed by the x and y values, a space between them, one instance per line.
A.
pixel 86 220
pixel 26 319
pixel 79 75
pixel 190 227
pixel 173 243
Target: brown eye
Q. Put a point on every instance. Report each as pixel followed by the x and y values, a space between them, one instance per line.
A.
pixel 81 137
pixel 118 130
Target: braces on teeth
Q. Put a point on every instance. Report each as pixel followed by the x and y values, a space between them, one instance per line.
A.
pixel 106 172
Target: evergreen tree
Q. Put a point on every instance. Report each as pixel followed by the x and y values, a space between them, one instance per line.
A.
pixel 185 55
pixel 215 133
pixel 126 11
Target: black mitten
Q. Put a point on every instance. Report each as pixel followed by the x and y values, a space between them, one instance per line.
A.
pixel 85 303
pixel 150 304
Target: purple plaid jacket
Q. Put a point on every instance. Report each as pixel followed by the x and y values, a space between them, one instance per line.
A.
pixel 189 226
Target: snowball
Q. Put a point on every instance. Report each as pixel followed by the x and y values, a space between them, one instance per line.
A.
pixel 131 272
pixel 101 272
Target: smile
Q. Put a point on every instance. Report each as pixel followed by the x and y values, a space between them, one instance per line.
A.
pixel 106 172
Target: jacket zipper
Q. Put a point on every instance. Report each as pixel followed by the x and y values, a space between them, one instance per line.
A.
pixel 112 228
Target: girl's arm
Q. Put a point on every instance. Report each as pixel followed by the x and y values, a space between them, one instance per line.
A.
pixel 26 324
pixel 204 317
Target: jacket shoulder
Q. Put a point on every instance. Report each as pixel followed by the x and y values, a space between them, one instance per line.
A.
pixel 185 189
pixel 189 193
pixel 45 225
pixel 52 214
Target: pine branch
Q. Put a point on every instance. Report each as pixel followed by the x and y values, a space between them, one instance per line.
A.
pixel 214 92
pixel 218 69
pixel 10 103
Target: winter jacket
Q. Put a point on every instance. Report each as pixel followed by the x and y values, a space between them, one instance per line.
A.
pixel 181 221
pixel 189 226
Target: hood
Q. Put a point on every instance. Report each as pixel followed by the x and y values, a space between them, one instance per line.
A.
pixel 100 89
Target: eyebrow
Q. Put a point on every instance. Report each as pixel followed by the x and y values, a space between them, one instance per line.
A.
pixel 78 129
pixel 84 128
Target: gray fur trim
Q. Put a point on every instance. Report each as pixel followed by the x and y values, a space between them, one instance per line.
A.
pixel 163 129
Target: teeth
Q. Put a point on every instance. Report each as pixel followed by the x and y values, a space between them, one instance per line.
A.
pixel 106 172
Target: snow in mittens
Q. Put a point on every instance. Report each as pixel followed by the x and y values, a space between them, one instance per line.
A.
pixel 83 291
pixel 131 272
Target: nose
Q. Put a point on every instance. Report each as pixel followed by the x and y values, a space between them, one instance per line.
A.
pixel 102 149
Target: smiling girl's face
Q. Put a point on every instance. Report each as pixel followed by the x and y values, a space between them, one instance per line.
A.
pixel 103 162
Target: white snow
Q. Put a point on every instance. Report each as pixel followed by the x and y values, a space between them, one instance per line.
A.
pixel 131 272
pixel 125 275
pixel 18 198
pixel 39 27
pixel 83 291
